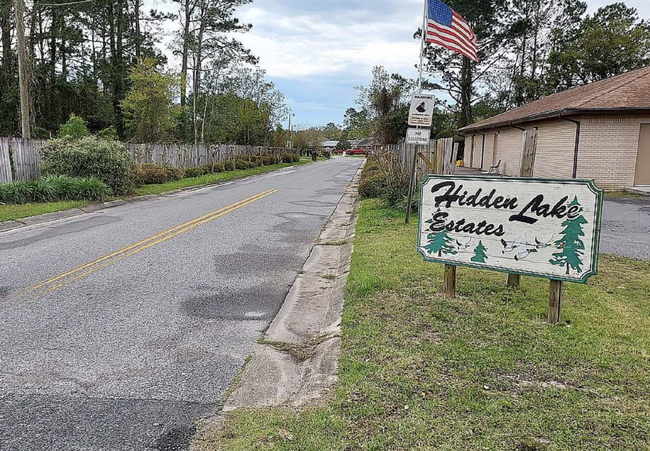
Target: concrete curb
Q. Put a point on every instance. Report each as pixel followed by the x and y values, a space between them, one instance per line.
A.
pixel 296 363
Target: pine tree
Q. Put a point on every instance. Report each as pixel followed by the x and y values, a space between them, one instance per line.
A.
pixel 570 244
pixel 480 253
pixel 440 243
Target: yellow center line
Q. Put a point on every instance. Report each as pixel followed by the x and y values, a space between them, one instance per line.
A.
pixel 82 271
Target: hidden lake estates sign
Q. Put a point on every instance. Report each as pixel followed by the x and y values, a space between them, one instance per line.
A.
pixel 538 227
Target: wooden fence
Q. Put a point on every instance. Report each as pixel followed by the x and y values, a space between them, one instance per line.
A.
pixel 439 157
pixel 20 158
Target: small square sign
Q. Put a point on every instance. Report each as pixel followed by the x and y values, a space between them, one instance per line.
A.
pixel 421 111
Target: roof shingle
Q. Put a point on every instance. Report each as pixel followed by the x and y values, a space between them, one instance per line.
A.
pixel 629 91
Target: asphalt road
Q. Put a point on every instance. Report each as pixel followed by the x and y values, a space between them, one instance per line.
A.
pixel 625 229
pixel 121 327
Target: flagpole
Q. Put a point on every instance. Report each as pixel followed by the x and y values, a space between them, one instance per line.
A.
pixel 422 43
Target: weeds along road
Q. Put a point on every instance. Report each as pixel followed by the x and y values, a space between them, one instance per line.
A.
pixel 120 327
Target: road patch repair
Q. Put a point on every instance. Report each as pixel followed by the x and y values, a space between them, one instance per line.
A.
pixel 296 362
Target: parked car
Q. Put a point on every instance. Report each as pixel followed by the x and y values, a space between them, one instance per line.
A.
pixel 355 152
pixel 337 151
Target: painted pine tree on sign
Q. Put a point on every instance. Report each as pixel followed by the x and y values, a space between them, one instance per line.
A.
pixel 440 243
pixel 571 245
pixel 480 253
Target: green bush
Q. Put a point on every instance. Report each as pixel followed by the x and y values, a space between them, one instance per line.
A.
pixel 266 160
pixel 174 173
pixel 374 185
pixel 194 172
pixel 256 161
pixel 213 168
pixel 54 188
pixel 149 174
pixel 109 134
pixel 241 164
pixel 295 158
pixel 75 128
pixel 229 165
pixel 108 161
pixel 287 158
pixel 274 159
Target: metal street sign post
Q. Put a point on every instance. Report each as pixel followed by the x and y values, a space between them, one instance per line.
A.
pixel 536 227
pixel 420 115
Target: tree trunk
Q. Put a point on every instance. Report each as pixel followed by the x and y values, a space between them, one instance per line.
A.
pixel 22 70
pixel 138 35
pixel 466 93
pixel 186 51
pixel 5 25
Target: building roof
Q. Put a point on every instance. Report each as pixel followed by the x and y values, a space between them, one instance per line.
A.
pixel 329 143
pixel 625 93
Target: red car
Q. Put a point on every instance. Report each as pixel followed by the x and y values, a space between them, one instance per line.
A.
pixel 355 152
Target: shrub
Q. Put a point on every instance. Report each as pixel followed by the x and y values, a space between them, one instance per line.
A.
pixel 108 161
pixel 241 164
pixel 256 161
pixel 229 165
pixel 295 158
pixel 213 168
pixel 274 159
pixel 148 174
pixel 266 160
pixel 109 134
pixel 373 185
pixel 174 173
pixel 194 172
pixel 75 128
pixel 383 178
pixel 287 158
pixel 54 188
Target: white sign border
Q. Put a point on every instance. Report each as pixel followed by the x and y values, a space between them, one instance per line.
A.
pixel 598 208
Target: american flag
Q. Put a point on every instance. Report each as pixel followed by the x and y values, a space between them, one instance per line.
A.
pixel 447 28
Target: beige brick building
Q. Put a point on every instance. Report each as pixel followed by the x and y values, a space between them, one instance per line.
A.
pixel 599 131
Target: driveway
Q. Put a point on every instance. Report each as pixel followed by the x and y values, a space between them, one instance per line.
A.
pixel 626 227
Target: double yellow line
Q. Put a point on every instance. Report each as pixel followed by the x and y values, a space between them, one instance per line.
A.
pixel 82 271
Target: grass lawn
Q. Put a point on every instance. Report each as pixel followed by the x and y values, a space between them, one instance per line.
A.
pixel 12 212
pixel 480 372
pixel 210 179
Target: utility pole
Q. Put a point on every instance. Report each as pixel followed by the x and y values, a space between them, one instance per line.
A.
pixel 22 69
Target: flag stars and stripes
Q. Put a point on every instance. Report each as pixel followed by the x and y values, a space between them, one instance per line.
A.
pixel 447 28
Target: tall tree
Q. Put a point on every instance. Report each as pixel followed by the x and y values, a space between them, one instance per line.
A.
pixel 386 101
pixel 459 76
pixel 149 109
pixel 612 41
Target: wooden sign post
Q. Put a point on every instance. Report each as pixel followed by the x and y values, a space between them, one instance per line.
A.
pixel 524 226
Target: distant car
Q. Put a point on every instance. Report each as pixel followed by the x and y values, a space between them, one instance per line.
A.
pixel 355 152
pixel 337 151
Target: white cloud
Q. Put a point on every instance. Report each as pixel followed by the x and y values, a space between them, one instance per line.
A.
pixel 316 52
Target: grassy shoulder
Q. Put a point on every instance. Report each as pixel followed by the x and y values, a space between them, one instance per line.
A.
pixel 483 371
pixel 13 212
pixel 210 179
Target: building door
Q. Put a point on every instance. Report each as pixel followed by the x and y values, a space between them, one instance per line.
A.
pixel 642 176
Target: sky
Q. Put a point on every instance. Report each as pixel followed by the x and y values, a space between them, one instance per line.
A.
pixel 316 52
